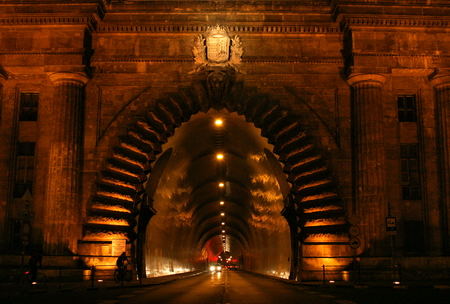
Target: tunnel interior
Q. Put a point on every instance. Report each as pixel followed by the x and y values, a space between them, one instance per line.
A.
pixel 216 187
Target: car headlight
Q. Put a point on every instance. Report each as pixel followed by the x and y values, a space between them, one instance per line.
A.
pixel 212 268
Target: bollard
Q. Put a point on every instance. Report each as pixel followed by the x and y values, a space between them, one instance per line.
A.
pixel 92 276
pixel 59 278
pixel 323 274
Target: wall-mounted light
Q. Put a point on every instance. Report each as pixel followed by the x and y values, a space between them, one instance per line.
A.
pixel 222 203
pixel 223 223
pixel 223 231
pixel 219 156
pixel 222 214
pixel 218 122
pixel 221 185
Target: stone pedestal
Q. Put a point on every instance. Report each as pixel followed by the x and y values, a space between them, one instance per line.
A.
pixel 63 207
pixel 441 83
pixel 369 201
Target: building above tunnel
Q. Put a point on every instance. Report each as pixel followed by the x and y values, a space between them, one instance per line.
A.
pixel 334 135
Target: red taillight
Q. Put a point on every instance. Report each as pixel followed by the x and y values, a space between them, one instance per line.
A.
pixel 26 272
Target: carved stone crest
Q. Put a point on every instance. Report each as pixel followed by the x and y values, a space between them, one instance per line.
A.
pixel 217 49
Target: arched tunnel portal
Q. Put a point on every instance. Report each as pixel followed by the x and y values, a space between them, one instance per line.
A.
pixel 270 201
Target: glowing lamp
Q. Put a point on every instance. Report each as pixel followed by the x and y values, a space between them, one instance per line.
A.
pixel 222 203
pixel 222 214
pixel 221 185
pixel 218 122
pixel 219 156
pixel 223 231
pixel 223 223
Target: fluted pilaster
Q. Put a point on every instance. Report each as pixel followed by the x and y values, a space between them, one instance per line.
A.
pixel 62 218
pixel 441 83
pixel 368 159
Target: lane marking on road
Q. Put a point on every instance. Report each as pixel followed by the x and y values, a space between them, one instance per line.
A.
pixel 345 302
pixel 327 296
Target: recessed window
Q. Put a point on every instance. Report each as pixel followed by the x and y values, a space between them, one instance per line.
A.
pixel 24 173
pixel 410 172
pixel 28 107
pixel 407 108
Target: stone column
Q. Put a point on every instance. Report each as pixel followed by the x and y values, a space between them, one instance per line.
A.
pixel 441 84
pixel 62 214
pixel 369 201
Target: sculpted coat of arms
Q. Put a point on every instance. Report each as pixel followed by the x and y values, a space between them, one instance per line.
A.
pixel 217 49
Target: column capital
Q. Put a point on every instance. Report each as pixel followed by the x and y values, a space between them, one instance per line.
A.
pixel 3 74
pixel 358 78
pixel 75 78
pixel 440 78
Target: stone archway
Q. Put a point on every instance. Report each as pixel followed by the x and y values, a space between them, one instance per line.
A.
pixel 315 212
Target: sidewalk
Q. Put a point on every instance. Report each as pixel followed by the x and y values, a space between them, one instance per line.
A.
pixel 9 290
pixel 362 284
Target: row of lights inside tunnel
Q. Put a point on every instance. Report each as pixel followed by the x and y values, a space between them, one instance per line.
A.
pixel 219 123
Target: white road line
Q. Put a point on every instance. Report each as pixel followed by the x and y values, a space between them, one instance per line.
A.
pixel 327 296
pixel 345 302
pixel 126 296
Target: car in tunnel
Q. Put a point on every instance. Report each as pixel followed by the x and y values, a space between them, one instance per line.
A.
pixel 215 268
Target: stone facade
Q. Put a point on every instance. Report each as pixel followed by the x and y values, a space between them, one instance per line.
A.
pixel 351 73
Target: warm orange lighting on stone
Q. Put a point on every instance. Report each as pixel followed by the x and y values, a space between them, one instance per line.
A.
pixel 218 122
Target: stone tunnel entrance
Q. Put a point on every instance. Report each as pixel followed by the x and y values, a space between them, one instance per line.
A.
pixel 163 187
pixel 196 219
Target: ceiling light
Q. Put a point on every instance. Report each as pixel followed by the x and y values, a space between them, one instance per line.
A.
pixel 218 122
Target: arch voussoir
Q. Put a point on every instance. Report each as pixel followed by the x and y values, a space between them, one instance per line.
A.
pixel 319 210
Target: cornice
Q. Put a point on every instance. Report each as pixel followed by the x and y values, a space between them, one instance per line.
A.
pixel 222 5
pixel 247 59
pixel 189 28
pixel 88 21
pixel 43 52
pixel 406 22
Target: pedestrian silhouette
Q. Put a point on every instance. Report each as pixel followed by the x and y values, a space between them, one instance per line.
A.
pixel 34 262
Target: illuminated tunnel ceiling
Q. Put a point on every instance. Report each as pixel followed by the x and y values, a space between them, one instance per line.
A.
pixel 253 182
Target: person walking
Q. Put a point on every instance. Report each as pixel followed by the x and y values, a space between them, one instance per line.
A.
pixel 121 263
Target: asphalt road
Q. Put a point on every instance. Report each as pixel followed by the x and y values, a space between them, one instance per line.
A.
pixel 231 287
